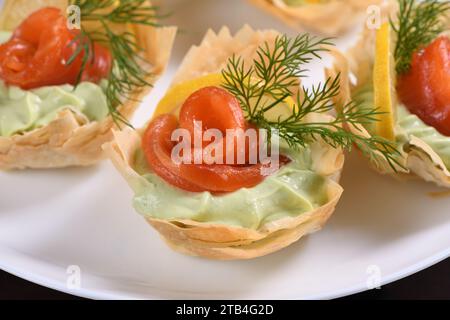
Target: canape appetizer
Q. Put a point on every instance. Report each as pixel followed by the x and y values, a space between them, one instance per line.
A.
pixel 403 69
pixel 64 84
pixel 243 209
pixel 330 17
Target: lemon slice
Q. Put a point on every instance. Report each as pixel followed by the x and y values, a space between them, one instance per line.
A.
pixel 176 95
pixel 174 98
pixel 384 83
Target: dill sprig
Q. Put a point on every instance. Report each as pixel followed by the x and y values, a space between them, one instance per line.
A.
pixel 130 70
pixel 274 73
pixel 418 23
pixel 274 76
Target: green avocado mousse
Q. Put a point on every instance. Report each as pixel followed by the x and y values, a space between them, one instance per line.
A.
pixel 22 110
pixel 184 167
pixel 409 125
pixel 64 86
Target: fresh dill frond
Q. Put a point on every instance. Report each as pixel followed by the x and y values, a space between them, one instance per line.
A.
pixel 274 73
pixel 418 23
pixel 130 70
pixel 274 76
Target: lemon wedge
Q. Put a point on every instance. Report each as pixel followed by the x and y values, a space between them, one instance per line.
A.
pixel 175 97
pixel 384 83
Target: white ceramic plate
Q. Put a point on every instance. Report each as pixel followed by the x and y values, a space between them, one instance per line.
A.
pixel 55 223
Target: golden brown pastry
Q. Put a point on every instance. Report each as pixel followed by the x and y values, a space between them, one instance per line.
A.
pixel 329 17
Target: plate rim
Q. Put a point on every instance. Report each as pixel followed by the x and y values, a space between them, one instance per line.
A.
pixel 100 294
